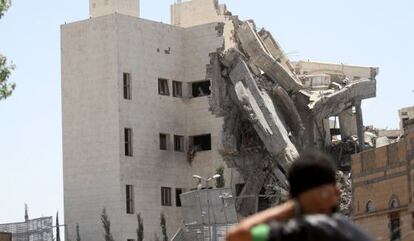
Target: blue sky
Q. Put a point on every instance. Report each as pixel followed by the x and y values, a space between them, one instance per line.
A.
pixel 370 32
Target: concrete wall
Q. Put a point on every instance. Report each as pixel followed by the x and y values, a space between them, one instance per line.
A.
pixel 196 12
pixel 91 129
pixel 99 8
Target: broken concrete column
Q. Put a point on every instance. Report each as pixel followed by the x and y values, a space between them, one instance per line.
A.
pixel 260 56
pixel 360 125
pixel 291 114
pixel 259 106
pixel 348 123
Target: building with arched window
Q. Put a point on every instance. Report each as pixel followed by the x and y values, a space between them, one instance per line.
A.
pixel 383 189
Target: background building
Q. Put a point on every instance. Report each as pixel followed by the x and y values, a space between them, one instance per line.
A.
pixel 38 229
pixel 383 188
pixel 5 236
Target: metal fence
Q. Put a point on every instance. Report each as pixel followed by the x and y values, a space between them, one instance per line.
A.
pixel 40 229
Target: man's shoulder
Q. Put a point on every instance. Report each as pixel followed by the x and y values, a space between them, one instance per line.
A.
pixel 319 227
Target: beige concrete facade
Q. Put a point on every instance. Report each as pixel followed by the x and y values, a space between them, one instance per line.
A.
pixel 95 55
pixel 104 7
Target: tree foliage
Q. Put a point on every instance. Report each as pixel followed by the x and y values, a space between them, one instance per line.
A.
pixel 4 5
pixel 106 223
pixel 57 227
pixel 6 88
pixel 78 238
pixel 163 225
pixel 140 229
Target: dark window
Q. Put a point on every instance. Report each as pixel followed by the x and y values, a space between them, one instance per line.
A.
pixel 395 227
pixel 177 89
pixel 201 142
pixel 130 199
pixel 178 192
pixel 200 89
pixel 130 239
pixel 127 86
pixel 370 207
pixel 394 203
pixel 128 141
pixel 163 87
pixel 179 143
pixel 412 220
pixel 165 196
pixel 164 141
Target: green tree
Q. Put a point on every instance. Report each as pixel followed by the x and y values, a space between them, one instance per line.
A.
pixel 4 5
pixel 106 223
pixel 57 227
pixel 220 182
pixel 140 229
pixel 78 238
pixel 6 88
pixel 163 225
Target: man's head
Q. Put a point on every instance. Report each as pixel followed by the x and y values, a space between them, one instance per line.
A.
pixel 312 179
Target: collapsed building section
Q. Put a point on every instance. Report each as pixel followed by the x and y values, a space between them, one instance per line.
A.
pixel 274 109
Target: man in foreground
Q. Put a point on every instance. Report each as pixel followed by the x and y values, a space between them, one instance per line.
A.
pixel 310 214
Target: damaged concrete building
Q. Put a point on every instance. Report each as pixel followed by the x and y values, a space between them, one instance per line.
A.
pixel 146 105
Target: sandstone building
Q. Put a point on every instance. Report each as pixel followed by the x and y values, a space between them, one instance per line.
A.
pixel 383 188
pixel 5 236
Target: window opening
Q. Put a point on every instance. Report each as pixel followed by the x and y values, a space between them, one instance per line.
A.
pixel 201 142
pixel 200 89
pixel 177 89
pixel 165 196
pixel 179 143
pixel 163 87
pixel 178 192
pixel 127 86
pixel 128 141
pixel 130 199
pixel 164 141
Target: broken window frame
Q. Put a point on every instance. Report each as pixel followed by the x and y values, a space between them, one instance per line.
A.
pixel 204 91
pixel 200 148
pixel 166 196
pixel 178 143
pixel 164 141
pixel 128 147
pixel 177 89
pixel 163 88
pixel 127 86
pixel 130 207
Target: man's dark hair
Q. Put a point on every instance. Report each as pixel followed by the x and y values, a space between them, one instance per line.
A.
pixel 311 169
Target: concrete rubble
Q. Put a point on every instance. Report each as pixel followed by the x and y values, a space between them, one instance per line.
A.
pixel 272 112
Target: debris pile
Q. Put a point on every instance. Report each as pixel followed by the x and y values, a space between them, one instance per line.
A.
pixel 272 112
